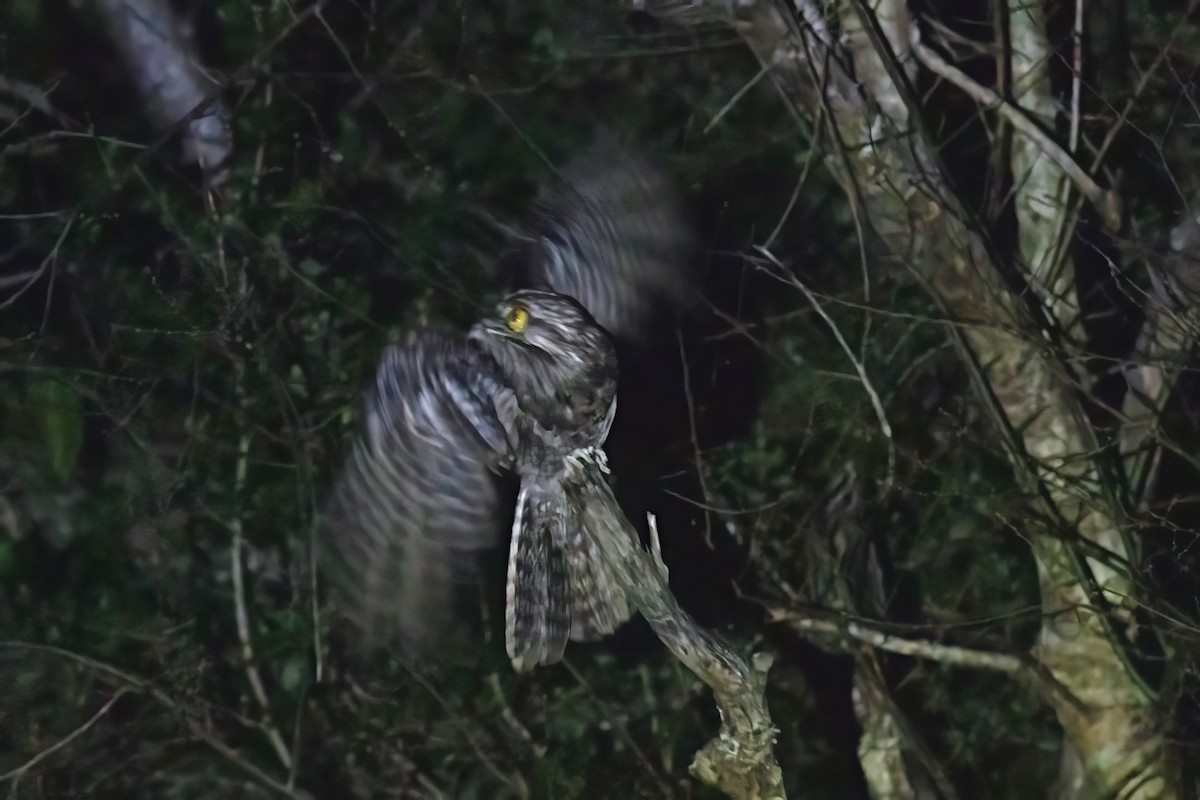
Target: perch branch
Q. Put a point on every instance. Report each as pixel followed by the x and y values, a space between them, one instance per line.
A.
pixel 740 761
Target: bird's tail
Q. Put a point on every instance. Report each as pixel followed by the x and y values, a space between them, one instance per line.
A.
pixel 559 587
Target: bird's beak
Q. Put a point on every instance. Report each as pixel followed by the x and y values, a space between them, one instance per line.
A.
pixel 491 327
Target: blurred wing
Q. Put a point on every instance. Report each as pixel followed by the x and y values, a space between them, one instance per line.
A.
pixel 612 235
pixel 417 494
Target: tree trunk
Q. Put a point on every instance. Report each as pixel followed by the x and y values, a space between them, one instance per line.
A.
pixel 1022 348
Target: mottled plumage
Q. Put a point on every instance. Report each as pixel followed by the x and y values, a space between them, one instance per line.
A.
pixel 527 388
pixel 416 496
pixel 562 372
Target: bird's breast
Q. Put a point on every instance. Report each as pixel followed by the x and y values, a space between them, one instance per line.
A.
pixel 544 447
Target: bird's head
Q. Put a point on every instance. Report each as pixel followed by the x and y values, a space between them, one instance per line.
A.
pixel 553 324
pixel 548 348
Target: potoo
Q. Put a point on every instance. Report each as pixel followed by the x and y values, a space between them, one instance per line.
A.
pixel 527 389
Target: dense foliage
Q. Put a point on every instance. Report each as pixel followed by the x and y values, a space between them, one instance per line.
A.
pixel 182 366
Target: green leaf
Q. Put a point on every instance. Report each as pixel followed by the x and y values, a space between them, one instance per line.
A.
pixel 310 268
pixel 58 411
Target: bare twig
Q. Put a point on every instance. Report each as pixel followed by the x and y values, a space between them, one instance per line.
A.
pixel 315 608
pixel 696 453
pixel 621 730
pixel 510 719
pixel 243 618
pixel 515 781
pixel 529 142
pixel 185 715
pixel 33 97
pixel 876 402
pixel 15 775
pixel 738 95
pixel 1110 136
pixel 47 263
pixel 241 615
pixel 21 277
pixel 1106 202
pixel 814 148
pixel 1076 76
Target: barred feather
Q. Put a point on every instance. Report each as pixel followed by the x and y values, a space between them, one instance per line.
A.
pixel 598 604
pixel 538 613
pixel 417 493
pixel 612 235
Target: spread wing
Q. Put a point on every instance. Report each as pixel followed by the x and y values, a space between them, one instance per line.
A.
pixel 612 234
pixel 418 493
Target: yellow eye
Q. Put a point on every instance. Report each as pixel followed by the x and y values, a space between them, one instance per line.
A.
pixel 517 319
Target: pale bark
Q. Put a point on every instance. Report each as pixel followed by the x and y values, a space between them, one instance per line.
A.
pixel 881 746
pixel 740 760
pixel 1022 356
pixel 1078 645
pixel 175 88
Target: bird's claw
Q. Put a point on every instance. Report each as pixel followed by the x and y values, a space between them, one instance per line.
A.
pixel 586 455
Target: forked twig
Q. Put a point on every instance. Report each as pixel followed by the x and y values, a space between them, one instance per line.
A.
pixel 876 403
pixel 1107 203
pixel 15 775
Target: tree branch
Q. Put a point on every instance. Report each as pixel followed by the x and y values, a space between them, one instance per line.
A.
pixel 888 161
pixel 166 69
pixel 918 648
pixel 740 761
pixel 1106 202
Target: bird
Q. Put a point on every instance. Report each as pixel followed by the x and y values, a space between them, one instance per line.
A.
pixel 530 387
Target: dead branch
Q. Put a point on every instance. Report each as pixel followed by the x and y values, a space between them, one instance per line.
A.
pixel 740 760
pixel 919 648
